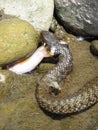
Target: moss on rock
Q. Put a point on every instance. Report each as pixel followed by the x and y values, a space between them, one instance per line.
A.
pixel 17 39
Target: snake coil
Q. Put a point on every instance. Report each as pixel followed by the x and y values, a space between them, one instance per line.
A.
pixel 84 98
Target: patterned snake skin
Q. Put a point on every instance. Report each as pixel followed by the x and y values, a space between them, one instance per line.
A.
pixel 95 127
pixel 48 88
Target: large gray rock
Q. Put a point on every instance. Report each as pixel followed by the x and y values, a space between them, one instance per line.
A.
pixel 78 16
pixel 37 12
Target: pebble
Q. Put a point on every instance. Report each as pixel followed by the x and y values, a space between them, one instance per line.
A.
pixel 94 47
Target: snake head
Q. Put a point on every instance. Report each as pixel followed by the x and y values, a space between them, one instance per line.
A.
pixel 50 42
pixel 49 38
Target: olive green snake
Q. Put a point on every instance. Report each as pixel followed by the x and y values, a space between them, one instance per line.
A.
pixel 51 84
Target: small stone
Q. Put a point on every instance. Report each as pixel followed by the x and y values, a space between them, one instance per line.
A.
pixel 5 76
pixel 94 47
pixel 18 38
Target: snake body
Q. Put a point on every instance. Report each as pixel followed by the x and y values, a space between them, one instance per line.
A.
pixel 46 96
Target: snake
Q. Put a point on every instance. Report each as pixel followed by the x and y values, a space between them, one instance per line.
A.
pixel 50 85
pixel 95 127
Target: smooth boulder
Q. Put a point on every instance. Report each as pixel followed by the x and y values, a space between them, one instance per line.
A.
pixel 18 38
pixel 78 16
pixel 39 13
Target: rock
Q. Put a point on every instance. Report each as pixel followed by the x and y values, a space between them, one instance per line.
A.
pixel 94 47
pixel 38 12
pixel 53 25
pixel 79 17
pixel 17 39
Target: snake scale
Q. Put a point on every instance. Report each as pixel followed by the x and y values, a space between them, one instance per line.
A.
pixel 49 86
